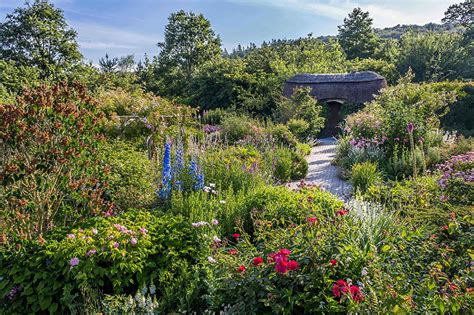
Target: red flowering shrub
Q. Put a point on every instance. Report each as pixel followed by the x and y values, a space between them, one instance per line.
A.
pixel 292 265
pixel 241 268
pixel 48 174
pixel 282 265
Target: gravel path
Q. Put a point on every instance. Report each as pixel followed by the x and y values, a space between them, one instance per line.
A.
pixel 321 172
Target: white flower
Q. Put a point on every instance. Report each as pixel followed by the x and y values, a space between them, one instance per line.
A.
pixel 199 224
pixel 212 185
pixel 211 260
pixel 364 272
pixel 222 201
pixel 216 239
pixel 206 189
pixel 214 222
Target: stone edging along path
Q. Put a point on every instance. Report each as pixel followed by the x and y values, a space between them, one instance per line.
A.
pixel 322 173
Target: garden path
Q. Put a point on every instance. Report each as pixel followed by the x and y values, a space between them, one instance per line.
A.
pixel 322 173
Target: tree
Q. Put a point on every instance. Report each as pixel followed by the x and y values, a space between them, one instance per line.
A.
pixel 107 64
pixel 356 35
pixel 460 14
pixel 37 35
pixel 434 56
pixel 189 43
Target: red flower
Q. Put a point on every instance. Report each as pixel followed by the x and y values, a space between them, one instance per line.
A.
pixel 333 262
pixel 445 227
pixel 338 287
pixel 356 293
pixel 236 236
pixel 257 261
pixel 285 252
pixel 293 265
pixel 241 268
pixel 342 212
pixel 233 252
pixel 312 220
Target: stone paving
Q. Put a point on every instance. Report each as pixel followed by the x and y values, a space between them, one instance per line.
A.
pixel 321 172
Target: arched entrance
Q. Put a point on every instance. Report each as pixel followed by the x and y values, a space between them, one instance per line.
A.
pixel 333 118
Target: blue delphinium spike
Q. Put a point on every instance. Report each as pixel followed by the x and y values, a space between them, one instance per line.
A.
pixel 167 172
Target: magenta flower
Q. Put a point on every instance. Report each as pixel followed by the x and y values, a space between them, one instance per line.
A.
pixel 74 262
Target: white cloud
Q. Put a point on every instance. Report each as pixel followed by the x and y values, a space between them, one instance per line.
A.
pixel 96 36
pixel 384 12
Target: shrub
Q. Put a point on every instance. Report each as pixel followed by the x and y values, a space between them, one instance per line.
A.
pixel 457 180
pixel 299 128
pixel 50 175
pixel 282 135
pixel 214 116
pixel 365 174
pixel 110 256
pixel 301 106
pixel 131 182
pixel 235 128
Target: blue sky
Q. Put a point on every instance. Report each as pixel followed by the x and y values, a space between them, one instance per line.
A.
pixel 121 27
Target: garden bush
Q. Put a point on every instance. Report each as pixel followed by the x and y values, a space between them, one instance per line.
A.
pixel 68 271
pixel 50 173
pixel 131 179
pixel 364 175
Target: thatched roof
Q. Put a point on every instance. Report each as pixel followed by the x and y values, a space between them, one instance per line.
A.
pixel 308 78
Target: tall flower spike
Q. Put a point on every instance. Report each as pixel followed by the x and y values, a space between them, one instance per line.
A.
pixel 167 172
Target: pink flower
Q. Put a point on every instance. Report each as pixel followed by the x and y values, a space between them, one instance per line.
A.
pixel 285 251
pixel 143 230
pixel 214 222
pixel 134 241
pixel 94 231
pixel 71 236
pixel 312 220
pixel 410 127
pixel 74 262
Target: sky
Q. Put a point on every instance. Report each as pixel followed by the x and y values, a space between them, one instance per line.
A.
pixel 123 27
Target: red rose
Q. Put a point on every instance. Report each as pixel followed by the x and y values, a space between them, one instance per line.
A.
pixel 285 251
pixel 241 268
pixel 236 236
pixel 342 212
pixel 312 220
pixel 356 293
pixel 293 265
pixel 333 262
pixel 335 291
pixel 233 252
pixel 257 261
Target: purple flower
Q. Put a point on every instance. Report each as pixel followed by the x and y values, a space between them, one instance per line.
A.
pixel 90 252
pixel 133 241
pixel 71 236
pixel 143 231
pixel 410 127
pixel 116 245
pixel 214 222
pixel 74 262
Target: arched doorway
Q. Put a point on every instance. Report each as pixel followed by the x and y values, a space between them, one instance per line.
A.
pixel 333 118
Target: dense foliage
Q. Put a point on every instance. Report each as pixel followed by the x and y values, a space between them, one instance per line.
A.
pixel 176 185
